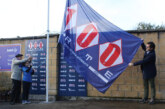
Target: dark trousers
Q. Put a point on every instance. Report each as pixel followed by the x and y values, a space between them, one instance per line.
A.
pixel 146 83
pixel 26 89
pixel 16 91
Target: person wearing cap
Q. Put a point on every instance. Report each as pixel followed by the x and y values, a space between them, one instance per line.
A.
pixel 16 77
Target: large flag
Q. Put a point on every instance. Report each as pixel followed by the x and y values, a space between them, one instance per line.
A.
pixel 97 49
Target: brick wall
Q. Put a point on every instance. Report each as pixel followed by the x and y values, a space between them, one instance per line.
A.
pixel 129 83
pixel 53 68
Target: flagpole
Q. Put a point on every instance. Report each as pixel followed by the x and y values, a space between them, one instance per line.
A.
pixel 47 56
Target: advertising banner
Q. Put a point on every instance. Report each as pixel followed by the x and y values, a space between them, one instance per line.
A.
pixel 37 49
pixel 7 53
pixel 70 82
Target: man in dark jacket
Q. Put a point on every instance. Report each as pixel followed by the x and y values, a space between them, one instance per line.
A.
pixel 149 71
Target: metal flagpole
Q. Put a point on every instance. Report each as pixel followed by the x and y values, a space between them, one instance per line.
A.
pixel 47 56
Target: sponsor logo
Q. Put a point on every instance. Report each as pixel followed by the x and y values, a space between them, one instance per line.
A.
pixel 81 85
pixel 34 76
pixel 42 71
pixel 72 85
pixel 70 67
pixel 11 56
pixel 30 45
pixel 42 80
pixel 61 58
pixel 63 66
pixel 42 89
pixel 81 80
pixel 62 85
pixel 34 84
pixel 43 58
pixel 34 58
pixel 63 75
pixel 72 70
pixel 35 67
pixel 81 90
pixel 62 80
pixel 42 75
pixel 35 45
pixel 63 71
pixel 71 90
pixel 12 50
pixel 34 79
pixel 72 76
pixel 41 45
pixel 42 67
pixel 62 89
pixel 43 54
pixel 72 80
pixel 43 62
pixel 33 88
pixel 34 62
pixel 35 54
pixel 42 84
pixel 63 62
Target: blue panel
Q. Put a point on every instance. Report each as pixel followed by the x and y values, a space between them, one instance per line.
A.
pixel 37 49
pixel 7 53
pixel 70 82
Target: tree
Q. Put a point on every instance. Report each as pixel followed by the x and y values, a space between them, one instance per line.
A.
pixel 149 26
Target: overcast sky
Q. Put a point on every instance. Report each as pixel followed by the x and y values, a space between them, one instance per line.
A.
pixel 29 17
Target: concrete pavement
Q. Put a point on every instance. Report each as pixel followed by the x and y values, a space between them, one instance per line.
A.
pixel 83 105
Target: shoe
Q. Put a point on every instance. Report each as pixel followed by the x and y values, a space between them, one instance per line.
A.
pixel 143 101
pixel 18 101
pixel 24 102
pixel 28 102
pixel 12 103
pixel 151 102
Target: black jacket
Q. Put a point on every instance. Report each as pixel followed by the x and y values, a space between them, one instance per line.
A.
pixel 148 63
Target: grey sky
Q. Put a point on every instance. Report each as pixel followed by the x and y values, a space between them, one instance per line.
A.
pixel 29 17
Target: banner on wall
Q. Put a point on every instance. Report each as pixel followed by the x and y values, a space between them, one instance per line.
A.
pixel 37 49
pixel 7 53
pixel 97 49
pixel 70 82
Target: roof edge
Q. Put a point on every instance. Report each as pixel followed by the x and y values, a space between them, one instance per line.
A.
pixel 53 35
pixel 29 37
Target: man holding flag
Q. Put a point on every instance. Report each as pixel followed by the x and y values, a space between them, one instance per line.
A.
pixel 97 49
pixel 148 68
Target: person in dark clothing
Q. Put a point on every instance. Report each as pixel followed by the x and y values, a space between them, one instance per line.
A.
pixel 15 92
pixel 27 80
pixel 148 68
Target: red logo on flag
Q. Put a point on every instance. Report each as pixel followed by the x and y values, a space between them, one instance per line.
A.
pixel 71 17
pixel 70 14
pixel 87 36
pixel 110 54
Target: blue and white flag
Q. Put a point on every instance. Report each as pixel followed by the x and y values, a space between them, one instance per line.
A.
pixel 97 49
